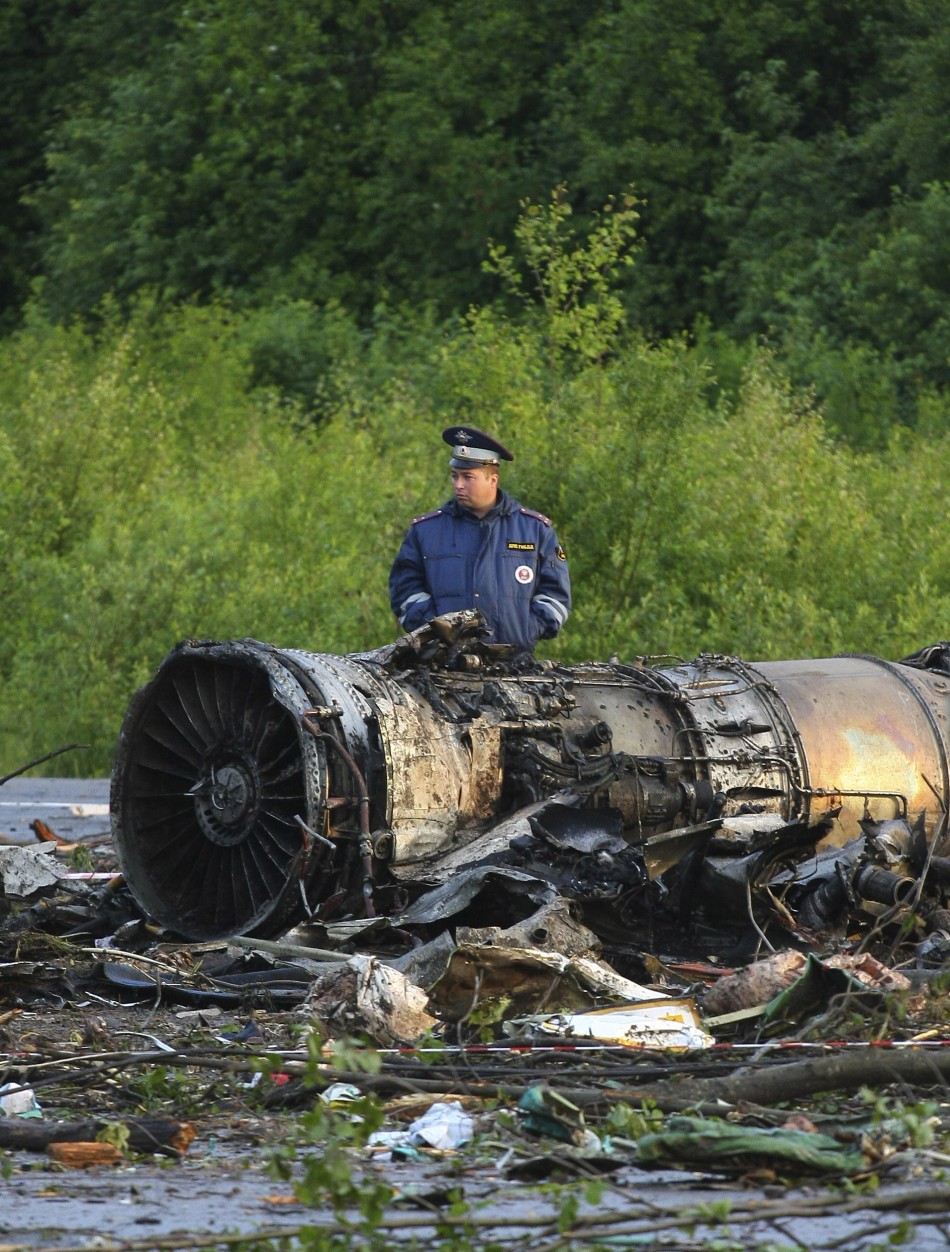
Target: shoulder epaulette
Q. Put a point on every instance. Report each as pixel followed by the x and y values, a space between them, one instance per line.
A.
pixel 540 516
pixel 425 517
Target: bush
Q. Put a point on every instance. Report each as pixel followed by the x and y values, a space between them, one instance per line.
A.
pixel 155 489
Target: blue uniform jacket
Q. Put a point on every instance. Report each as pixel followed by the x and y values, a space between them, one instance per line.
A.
pixel 508 565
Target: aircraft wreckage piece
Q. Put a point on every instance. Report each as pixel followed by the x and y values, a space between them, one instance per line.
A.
pixel 256 787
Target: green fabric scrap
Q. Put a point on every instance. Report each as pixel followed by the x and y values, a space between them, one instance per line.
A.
pixel 812 990
pixel 697 1141
pixel 546 1112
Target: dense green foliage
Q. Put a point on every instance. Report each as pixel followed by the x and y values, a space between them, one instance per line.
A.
pixel 791 159
pixel 154 491
pixel 253 259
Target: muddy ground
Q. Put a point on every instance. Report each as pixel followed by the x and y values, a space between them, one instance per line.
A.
pixel 94 1051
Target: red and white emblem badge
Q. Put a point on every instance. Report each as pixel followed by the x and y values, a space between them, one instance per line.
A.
pixel 524 574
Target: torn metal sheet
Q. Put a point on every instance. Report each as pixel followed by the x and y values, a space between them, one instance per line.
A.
pixel 669 1024
pixel 487 984
pixel 487 848
pixel 367 997
pixel 661 852
pixel 27 982
pixel 511 893
pixel 424 965
pixel 552 928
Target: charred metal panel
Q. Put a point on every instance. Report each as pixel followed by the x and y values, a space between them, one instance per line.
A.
pixel 639 705
pixel 741 736
pixel 441 777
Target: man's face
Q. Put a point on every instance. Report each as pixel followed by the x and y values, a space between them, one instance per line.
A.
pixel 475 489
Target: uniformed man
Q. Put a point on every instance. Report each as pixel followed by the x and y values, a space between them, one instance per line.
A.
pixel 482 550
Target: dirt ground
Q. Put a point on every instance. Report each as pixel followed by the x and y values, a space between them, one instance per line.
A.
pixel 97 1052
pixel 78 1060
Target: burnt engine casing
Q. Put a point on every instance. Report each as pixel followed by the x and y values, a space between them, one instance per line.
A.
pixel 253 784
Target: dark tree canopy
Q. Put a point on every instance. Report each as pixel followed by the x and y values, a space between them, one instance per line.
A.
pixel 791 159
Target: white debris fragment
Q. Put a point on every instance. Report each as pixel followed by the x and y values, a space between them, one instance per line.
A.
pixel 671 1025
pixel 444 1126
pixel 26 870
pixel 17 1101
pixel 340 1093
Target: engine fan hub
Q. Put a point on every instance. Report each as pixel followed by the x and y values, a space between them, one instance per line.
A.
pixel 227 802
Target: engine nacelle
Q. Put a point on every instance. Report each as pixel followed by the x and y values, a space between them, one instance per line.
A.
pixel 253 784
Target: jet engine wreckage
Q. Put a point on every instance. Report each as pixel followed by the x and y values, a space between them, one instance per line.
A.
pixel 677 806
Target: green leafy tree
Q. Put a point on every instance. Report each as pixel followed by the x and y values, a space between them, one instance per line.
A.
pixel 36 79
pixel 573 287
pixel 222 163
pixel 639 100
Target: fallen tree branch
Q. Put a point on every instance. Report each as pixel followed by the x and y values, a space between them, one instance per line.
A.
pixel 747 1086
pixel 775 1084
pixel 38 760
pixel 768 1085
pixel 146 1134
